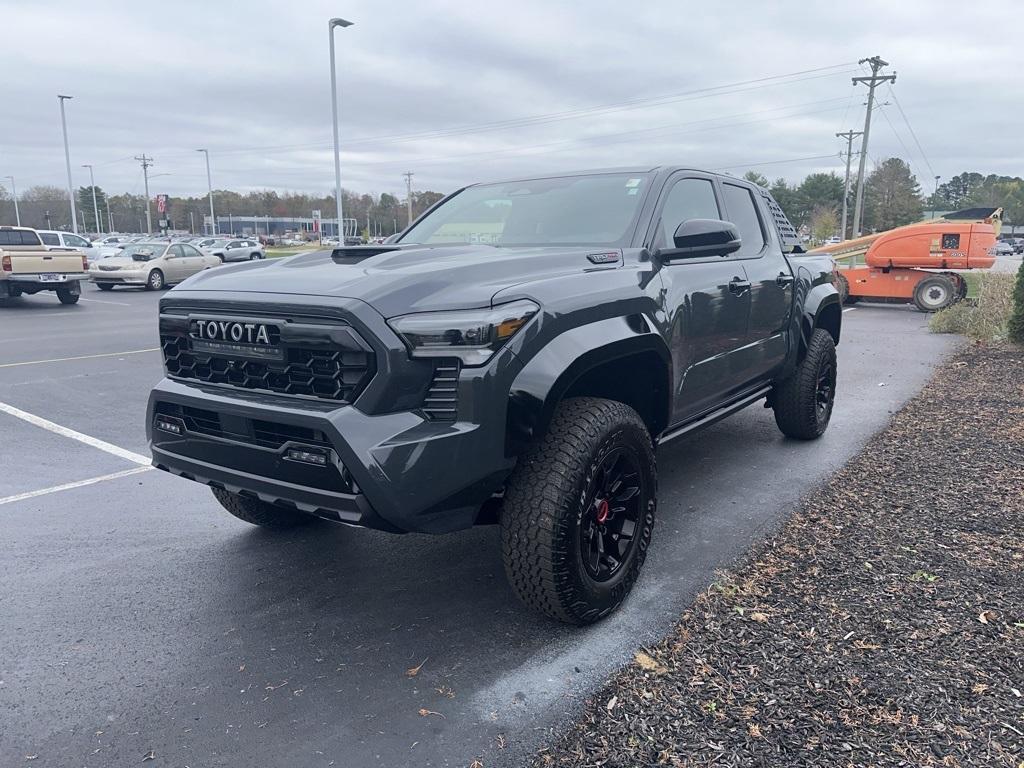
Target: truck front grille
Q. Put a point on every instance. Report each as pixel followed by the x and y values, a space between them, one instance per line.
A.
pixel 320 372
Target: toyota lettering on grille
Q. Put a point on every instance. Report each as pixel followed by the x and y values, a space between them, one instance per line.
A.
pixel 234 331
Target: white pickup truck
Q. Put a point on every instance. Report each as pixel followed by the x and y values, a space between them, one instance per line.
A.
pixel 26 266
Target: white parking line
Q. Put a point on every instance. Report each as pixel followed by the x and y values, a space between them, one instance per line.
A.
pixel 76 484
pixel 100 301
pixel 849 309
pixel 80 357
pixel 57 429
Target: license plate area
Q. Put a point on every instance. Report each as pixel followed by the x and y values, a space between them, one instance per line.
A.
pixel 51 277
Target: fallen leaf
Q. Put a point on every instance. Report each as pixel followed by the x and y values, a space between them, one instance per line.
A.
pixel 759 617
pixel 241 668
pixel 425 712
pixel 986 616
pixel 646 662
pixel 151 755
pixel 413 671
pixel 476 764
pixel 612 702
pixel 31 757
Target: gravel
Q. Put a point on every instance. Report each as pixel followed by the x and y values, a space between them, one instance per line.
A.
pixel 882 625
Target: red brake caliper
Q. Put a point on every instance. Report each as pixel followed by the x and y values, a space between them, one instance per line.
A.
pixel 603 510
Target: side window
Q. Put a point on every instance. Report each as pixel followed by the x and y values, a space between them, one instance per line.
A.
pixel 688 199
pixel 76 241
pixel 743 213
pixel 175 250
pixel 950 242
pixel 49 238
pixel 190 251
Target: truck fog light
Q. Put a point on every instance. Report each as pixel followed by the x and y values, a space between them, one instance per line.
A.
pixel 169 425
pixel 316 458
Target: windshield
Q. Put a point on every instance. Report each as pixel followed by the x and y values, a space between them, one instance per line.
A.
pixel 597 209
pixel 219 243
pixel 143 251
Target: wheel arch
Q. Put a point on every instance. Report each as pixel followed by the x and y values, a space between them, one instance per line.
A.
pixel 620 359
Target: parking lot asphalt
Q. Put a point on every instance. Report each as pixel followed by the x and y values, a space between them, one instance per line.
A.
pixel 139 618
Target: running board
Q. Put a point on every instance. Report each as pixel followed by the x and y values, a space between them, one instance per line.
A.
pixel 711 418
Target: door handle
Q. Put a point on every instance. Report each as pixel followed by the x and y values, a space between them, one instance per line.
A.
pixel 739 286
pixel 784 279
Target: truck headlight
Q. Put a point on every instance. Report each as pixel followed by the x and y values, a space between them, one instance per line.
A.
pixel 470 335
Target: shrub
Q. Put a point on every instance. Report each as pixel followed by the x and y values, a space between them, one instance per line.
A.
pixel 1015 327
pixel 985 318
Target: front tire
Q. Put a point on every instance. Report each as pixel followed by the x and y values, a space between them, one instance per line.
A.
pixel 579 511
pixel 935 293
pixel 803 402
pixel 155 281
pixel 259 512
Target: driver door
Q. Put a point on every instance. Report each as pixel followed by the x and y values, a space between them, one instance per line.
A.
pixel 707 302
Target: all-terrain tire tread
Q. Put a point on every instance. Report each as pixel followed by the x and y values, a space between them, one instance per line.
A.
pixel 793 400
pixel 259 512
pixel 538 504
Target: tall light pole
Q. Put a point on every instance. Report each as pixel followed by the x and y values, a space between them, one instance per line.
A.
pixel 95 208
pixel 67 161
pixel 209 186
pixel 14 191
pixel 408 197
pixel 334 113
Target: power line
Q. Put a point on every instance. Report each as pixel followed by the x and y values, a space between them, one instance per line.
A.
pixel 545 118
pixel 772 162
pixel 911 129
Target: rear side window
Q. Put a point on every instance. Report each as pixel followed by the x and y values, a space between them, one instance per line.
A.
pixel 743 213
pixel 688 199
pixel 49 238
pixel 950 242
pixel 18 237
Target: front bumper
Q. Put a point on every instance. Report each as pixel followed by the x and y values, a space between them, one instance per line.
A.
pixel 398 471
pixel 119 278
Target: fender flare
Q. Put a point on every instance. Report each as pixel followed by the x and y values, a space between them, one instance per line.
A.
pixel 549 374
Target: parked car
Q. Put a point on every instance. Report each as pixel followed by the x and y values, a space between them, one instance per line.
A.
pixel 515 357
pixel 55 240
pixel 834 240
pixel 235 250
pixel 1017 243
pixel 1003 248
pixel 27 266
pixel 150 265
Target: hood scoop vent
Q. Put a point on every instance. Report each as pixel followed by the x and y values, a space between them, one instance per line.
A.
pixel 357 253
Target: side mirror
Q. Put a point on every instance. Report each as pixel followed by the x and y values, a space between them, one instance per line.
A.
pixel 697 238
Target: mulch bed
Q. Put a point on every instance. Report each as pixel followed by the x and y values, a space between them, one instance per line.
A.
pixel 882 625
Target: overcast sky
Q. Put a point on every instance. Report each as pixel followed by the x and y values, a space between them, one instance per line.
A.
pixel 464 91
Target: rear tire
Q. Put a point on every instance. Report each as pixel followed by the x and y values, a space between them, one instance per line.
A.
pixel 579 511
pixel 66 296
pixel 935 293
pixel 843 286
pixel 259 512
pixel 105 286
pixel 255 257
pixel 803 402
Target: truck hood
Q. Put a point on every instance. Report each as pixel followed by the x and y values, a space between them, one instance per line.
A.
pixel 407 279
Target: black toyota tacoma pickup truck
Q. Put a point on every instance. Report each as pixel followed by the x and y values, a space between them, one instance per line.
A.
pixel 514 357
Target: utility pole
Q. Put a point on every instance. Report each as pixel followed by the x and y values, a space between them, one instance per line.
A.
pixel 408 196
pixel 849 136
pixel 146 162
pixel 67 162
pixel 14 192
pixel 95 209
pixel 872 82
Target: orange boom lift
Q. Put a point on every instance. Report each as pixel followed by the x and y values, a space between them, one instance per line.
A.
pixel 914 263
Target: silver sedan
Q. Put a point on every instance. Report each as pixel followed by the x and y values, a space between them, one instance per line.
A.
pixel 150 265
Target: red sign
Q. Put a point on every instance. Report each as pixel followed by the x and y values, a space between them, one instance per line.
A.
pixel 161 203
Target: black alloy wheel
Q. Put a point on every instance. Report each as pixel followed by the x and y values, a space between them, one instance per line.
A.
pixel 607 531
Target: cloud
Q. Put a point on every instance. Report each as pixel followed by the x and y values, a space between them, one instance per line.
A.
pixel 459 91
